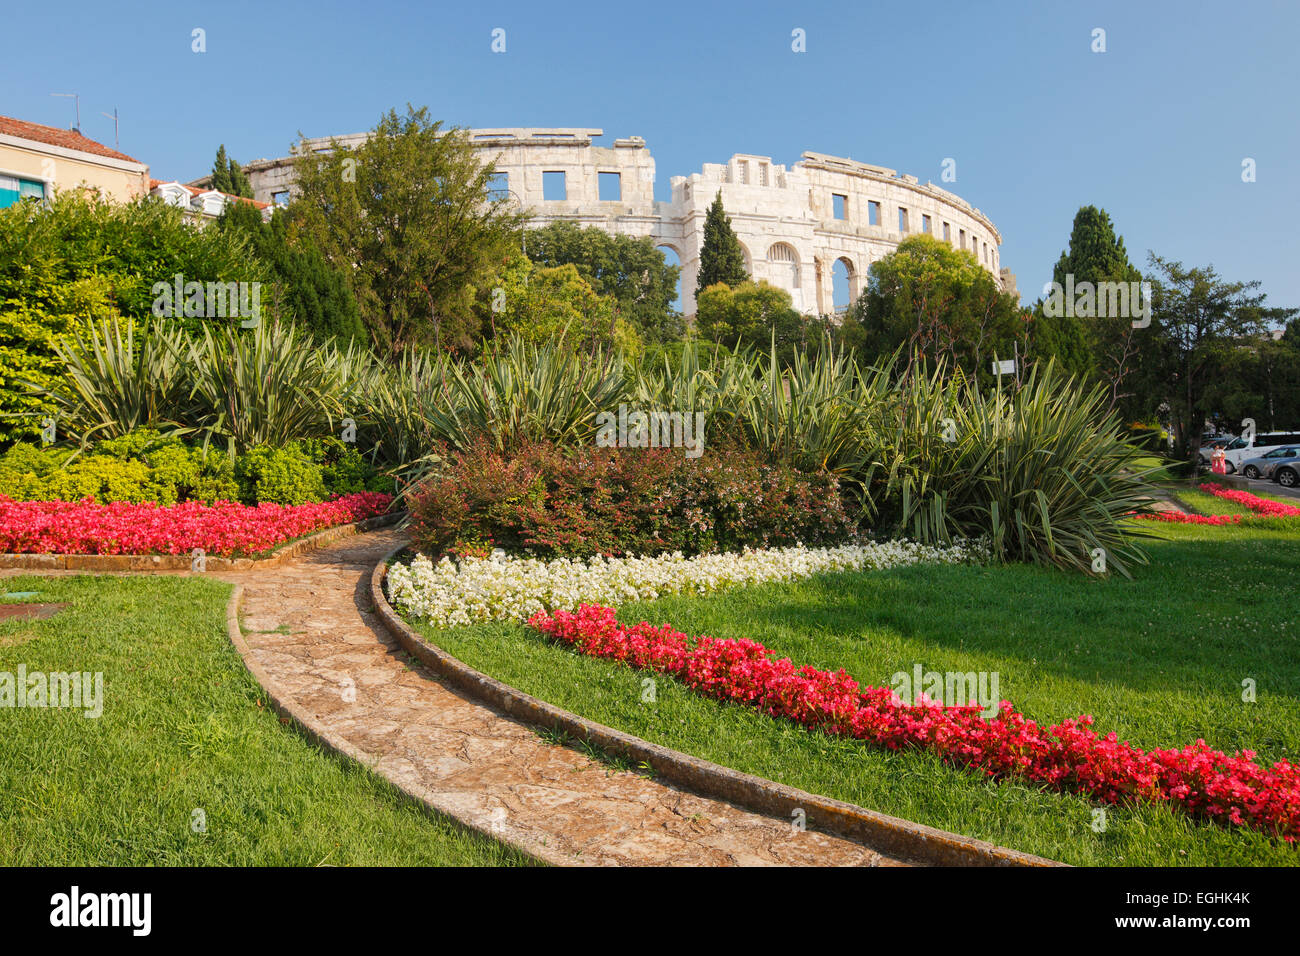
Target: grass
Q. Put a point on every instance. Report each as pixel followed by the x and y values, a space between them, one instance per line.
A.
pixel 184 728
pixel 1160 660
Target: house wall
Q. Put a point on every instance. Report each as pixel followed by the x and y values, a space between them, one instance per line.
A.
pixel 65 169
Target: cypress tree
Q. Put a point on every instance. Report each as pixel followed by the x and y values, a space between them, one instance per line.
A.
pixel 228 177
pixel 721 258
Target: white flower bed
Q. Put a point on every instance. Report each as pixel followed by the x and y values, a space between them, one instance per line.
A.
pixel 474 590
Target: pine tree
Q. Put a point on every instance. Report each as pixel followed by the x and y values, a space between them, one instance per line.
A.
pixel 721 258
pixel 228 177
pixel 221 171
pixel 1096 253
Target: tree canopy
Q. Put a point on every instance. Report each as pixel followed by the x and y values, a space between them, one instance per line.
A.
pixel 632 271
pixel 407 214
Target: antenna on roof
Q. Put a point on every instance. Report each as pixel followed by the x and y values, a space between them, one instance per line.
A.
pixel 113 116
pixel 77 99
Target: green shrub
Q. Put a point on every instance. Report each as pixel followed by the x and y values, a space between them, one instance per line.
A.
pixel 575 502
pixel 283 476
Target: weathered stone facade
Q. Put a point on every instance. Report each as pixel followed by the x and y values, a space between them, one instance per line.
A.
pixel 794 222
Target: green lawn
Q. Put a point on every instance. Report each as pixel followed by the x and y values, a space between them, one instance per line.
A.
pixel 184 728
pixel 1160 660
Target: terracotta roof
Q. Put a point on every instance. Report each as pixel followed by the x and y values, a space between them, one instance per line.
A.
pixel 193 191
pixel 66 138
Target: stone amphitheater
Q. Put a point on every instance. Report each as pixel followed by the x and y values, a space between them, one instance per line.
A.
pixel 799 226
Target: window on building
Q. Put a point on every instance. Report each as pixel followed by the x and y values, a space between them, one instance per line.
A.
pixel 611 187
pixel 873 213
pixel 280 197
pixel 784 265
pixel 553 185
pixel 743 166
pixel 925 223
pixel 498 186
pixel 762 174
pixel 947 233
pixel 839 206
pixel 14 188
pixel 961 238
pixel 902 219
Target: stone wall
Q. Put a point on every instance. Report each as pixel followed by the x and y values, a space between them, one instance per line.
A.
pixel 786 218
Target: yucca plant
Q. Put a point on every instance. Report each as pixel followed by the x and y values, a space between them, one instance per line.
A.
pixel 114 382
pixel 400 401
pixel 267 385
pixel 526 392
pixel 1042 472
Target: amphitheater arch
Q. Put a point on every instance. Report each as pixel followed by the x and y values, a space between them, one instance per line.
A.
pixel 844 283
pixel 783 266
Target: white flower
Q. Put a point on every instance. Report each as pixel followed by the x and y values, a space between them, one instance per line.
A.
pixel 502 588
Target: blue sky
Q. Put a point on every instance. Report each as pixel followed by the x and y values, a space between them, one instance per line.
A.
pixel 1154 130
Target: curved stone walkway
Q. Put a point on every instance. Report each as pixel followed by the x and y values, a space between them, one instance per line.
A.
pixel 314 641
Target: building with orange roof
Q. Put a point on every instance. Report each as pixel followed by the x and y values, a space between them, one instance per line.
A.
pixel 39 161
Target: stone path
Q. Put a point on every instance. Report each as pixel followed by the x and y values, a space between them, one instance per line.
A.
pixel 324 654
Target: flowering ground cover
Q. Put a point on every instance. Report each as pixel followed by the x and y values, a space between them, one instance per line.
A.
pixel 1159 660
pixel 1069 756
pixel 472 590
pixel 1221 505
pixel 223 528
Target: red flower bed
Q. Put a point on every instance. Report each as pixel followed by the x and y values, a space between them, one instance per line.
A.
pixel 1263 506
pixel 1069 756
pixel 1179 517
pixel 224 528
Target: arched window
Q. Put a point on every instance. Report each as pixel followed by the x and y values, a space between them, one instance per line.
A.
pixel 783 265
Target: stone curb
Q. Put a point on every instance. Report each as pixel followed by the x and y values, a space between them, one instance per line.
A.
pixel 117 563
pixel 895 837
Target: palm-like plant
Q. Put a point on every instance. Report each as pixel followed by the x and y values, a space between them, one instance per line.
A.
pixel 114 383
pixel 267 385
pixel 526 392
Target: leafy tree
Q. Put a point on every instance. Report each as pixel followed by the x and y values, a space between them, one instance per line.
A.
pixel 542 303
pixel 407 215
pixel 79 261
pixel 228 177
pixel 721 257
pixel 1200 320
pixel 935 302
pixel 631 270
pixel 750 315
pixel 310 290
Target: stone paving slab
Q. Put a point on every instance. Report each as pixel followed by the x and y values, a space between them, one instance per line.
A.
pixel 340 673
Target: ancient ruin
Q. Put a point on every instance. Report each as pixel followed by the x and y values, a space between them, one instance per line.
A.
pixel 795 223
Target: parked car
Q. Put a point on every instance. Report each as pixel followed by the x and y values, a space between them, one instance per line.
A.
pixel 1264 465
pixel 1287 471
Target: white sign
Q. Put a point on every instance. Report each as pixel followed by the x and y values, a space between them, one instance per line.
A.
pixel 1005 367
